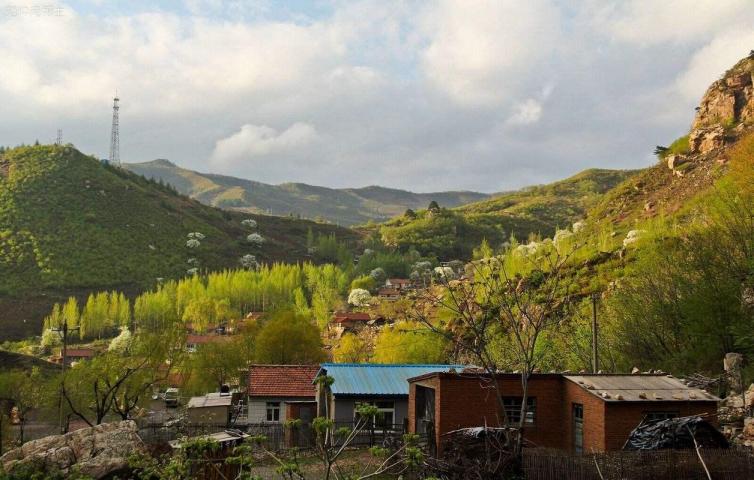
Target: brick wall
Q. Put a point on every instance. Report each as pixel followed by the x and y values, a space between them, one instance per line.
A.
pixel 466 401
pixel 621 418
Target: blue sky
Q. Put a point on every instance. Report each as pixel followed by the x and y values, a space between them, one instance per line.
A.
pixel 424 95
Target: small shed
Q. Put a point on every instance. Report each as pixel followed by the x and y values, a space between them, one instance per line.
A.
pixel 210 409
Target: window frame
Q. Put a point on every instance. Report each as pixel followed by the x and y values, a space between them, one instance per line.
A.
pixel 512 407
pixel 272 410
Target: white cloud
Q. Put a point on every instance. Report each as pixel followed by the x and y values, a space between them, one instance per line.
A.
pixel 526 113
pixel 481 52
pixel 653 22
pixel 711 61
pixel 261 140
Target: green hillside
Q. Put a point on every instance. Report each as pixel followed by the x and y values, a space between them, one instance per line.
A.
pixel 70 223
pixel 537 210
pixel 350 206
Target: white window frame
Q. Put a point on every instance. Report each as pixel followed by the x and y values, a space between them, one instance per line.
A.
pixel 270 409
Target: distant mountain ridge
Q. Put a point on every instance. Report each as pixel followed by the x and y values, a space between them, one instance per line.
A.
pixel 346 206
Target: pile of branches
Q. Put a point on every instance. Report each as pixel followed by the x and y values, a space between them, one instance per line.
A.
pixel 676 433
pixel 476 453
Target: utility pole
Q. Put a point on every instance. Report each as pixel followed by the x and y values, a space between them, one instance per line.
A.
pixel 595 358
pixel 59 138
pixel 63 331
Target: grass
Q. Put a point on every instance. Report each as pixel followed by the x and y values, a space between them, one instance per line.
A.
pixel 70 224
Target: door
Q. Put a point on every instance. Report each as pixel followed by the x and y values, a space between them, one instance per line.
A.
pixel 578 427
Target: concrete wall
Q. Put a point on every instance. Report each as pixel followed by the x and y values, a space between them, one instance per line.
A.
pixel 208 415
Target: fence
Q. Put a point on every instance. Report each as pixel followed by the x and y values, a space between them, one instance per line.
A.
pixel 277 436
pixel 732 464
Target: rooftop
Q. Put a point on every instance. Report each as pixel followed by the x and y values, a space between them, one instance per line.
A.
pixel 211 400
pixel 282 380
pixel 376 379
pixel 639 388
pixel 351 316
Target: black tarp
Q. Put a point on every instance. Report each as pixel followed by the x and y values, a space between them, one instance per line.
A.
pixel 675 433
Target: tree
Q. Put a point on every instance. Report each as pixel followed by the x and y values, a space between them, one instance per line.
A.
pixel 501 308
pixel 410 342
pixel 359 297
pixel 378 275
pixel 483 251
pixel 433 206
pixel 26 391
pixel 351 349
pixel 364 282
pixel 410 214
pixel 287 338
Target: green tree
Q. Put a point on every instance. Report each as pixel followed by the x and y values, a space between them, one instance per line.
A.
pixel 287 338
pixel 410 342
pixel 351 349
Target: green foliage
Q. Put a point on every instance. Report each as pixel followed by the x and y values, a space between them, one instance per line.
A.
pixel 287 338
pixel 351 349
pixel 365 282
pixel 410 342
pixel 680 146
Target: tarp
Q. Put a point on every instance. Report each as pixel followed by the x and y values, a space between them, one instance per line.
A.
pixel 675 433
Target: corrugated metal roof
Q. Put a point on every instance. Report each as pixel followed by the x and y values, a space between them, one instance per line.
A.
pixel 640 388
pixel 377 379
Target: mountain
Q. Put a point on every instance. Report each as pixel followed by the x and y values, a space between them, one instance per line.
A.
pixel 349 206
pixel 70 223
pixel 538 210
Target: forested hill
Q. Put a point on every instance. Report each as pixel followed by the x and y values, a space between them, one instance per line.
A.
pixel 349 206
pixel 69 223
pixel 537 210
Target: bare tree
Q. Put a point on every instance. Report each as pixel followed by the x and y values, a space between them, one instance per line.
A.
pixel 495 318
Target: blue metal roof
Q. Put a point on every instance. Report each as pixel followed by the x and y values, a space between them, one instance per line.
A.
pixel 376 379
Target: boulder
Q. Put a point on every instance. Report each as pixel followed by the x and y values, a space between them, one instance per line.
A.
pixel 718 105
pixel 96 451
pixel 675 160
pixel 705 139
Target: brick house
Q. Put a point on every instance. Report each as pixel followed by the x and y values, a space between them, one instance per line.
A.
pixel 277 393
pixel 578 413
pixel 388 293
pixel 398 283
pixel 74 355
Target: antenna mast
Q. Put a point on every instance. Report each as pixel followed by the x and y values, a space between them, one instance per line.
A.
pixel 114 158
pixel 59 138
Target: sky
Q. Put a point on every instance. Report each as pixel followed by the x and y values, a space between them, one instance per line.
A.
pixel 422 95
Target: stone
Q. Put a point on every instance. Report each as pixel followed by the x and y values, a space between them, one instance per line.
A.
pixel 738 81
pixel 635 371
pixel 732 364
pixel 748 431
pixel 675 160
pixel 705 139
pixel 718 105
pixel 97 451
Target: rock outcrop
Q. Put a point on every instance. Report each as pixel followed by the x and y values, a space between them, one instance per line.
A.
pixel 727 102
pixel 97 451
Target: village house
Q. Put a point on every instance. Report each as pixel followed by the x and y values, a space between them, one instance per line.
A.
pixel 399 284
pixel 578 413
pixel 389 293
pixel 351 321
pixel 277 393
pixel 74 355
pixel 383 385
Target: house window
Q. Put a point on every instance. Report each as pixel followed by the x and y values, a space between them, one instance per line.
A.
pixel 273 411
pixel 385 417
pixel 657 416
pixel 512 407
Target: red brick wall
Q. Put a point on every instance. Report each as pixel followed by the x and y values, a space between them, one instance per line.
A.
pixel 594 418
pixel 621 418
pixel 466 401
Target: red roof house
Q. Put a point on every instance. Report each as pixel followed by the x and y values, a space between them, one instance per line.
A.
pixel 279 392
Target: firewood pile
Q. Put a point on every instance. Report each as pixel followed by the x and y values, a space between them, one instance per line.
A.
pixel 475 453
pixel 676 433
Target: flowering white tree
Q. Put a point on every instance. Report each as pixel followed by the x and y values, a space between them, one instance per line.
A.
pixel 255 239
pixel 193 243
pixel 249 223
pixel 192 271
pixel 122 342
pixel 196 235
pixel 446 273
pixel 249 261
pixel 359 297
